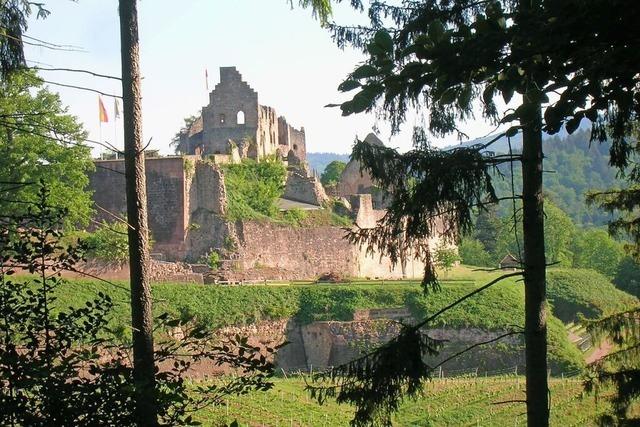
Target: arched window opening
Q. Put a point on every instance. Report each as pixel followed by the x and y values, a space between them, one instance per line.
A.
pixel 222 119
pixel 295 147
pixel 240 117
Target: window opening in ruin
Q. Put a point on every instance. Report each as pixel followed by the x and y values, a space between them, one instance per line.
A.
pixel 295 146
pixel 222 119
pixel 240 117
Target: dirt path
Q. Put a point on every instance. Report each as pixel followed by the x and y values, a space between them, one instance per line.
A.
pixel 601 351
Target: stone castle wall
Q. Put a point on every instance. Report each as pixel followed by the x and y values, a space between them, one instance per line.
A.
pixel 234 114
pixel 187 203
pixel 220 118
pixel 310 252
pixel 305 252
pixel 325 344
pixel 166 194
pixel 303 188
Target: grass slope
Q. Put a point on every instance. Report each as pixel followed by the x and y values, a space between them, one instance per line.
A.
pixel 587 292
pixel 446 402
pixel 498 308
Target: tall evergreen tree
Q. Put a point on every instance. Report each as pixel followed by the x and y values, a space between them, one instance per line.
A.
pixel 622 367
pixel 141 303
pixel 441 56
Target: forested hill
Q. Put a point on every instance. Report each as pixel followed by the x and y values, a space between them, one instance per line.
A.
pixel 319 161
pixel 573 167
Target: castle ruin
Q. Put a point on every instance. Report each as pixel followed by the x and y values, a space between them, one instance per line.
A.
pixel 234 119
pixel 187 196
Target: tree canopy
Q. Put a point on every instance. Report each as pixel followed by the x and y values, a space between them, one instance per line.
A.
pixel 445 58
pixel 41 141
pixel 331 174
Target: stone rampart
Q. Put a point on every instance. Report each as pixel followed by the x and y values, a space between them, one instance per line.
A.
pixel 303 188
pixel 305 252
pixel 165 179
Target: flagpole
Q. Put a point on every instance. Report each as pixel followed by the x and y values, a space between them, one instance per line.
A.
pixel 116 114
pixel 115 135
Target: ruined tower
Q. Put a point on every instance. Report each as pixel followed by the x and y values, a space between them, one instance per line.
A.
pixel 234 118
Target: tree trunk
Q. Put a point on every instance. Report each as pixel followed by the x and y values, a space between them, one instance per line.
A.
pixel 141 315
pixel 535 324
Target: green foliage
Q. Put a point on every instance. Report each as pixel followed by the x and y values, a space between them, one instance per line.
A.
pixel 573 292
pixel 295 216
pixel 331 174
pixel 472 252
pixel 445 57
pixel 627 277
pixel 60 365
pixel 314 218
pixel 578 167
pixel 425 183
pixel 212 259
pixel 40 140
pixel 446 257
pixel 109 242
pixel 253 188
pixel 621 367
pixel 319 161
pixel 215 307
pixel 597 250
pixel 558 235
pixel 13 23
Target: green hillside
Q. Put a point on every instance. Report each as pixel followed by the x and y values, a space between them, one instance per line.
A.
pixel 498 308
pixel 586 292
pixel 573 166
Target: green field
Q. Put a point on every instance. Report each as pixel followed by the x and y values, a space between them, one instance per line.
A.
pixel 446 402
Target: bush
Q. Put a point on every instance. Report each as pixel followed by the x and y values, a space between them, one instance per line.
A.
pixel 60 366
pixel 212 260
pixel 253 188
pixel 109 242
pixel 472 252
pixel 295 216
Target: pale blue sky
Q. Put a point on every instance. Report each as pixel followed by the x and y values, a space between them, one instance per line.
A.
pixel 282 53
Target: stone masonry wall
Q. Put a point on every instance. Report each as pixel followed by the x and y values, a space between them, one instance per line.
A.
pixel 303 188
pixel 165 199
pixel 207 204
pixel 220 124
pixel 305 252
pixel 267 142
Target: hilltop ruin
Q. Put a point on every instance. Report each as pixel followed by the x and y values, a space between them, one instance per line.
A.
pixel 188 198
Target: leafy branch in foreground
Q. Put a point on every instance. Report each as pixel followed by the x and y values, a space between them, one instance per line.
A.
pixel 377 382
pixel 621 367
pixel 62 365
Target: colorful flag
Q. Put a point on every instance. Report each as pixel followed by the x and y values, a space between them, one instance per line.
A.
pixel 206 78
pixel 102 112
pixel 116 108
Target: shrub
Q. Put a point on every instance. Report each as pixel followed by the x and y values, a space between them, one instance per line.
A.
pixel 212 259
pixel 51 359
pixel 109 242
pixel 253 188
pixel 472 252
pixel 294 216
